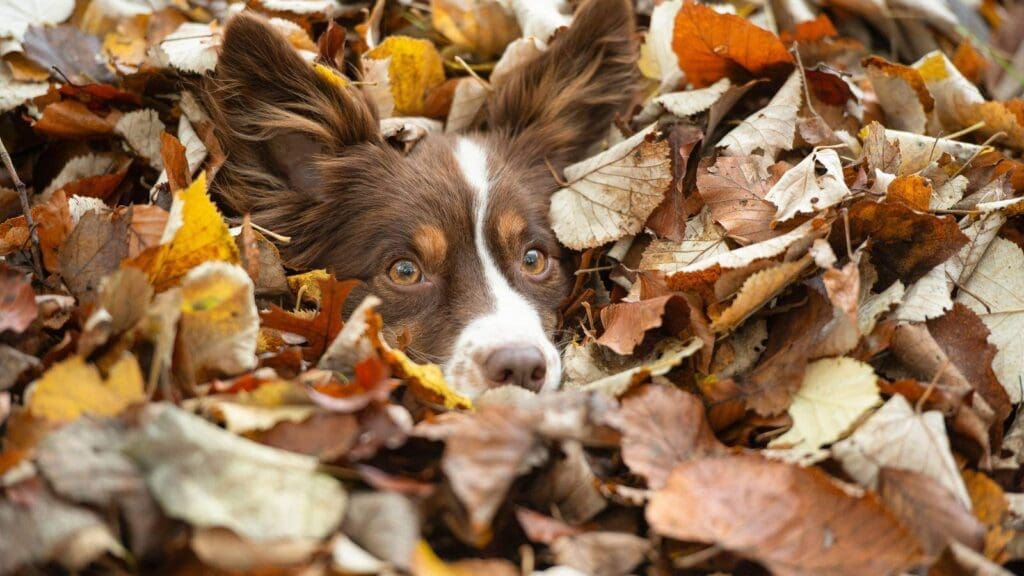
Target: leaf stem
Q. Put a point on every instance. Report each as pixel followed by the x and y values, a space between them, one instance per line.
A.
pixel 25 208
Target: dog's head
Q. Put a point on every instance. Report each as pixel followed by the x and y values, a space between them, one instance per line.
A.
pixel 453 237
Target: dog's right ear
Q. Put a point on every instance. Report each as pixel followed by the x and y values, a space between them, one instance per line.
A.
pixel 276 117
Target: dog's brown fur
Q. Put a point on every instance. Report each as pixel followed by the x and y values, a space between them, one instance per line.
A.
pixel 306 159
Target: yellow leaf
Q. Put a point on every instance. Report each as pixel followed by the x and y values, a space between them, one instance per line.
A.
pixel 415 68
pixel 426 381
pixel 330 75
pixel 307 285
pixel 72 388
pixel 219 321
pixel 201 236
pixel 126 46
pixel 483 26
pixel 426 563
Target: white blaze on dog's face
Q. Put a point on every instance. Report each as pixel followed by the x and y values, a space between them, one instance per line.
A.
pixel 452 236
pixel 507 344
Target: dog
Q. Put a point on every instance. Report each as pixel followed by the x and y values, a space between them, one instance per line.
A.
pixel 454 236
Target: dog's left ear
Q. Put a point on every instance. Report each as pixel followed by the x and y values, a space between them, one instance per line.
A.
pixel 562 102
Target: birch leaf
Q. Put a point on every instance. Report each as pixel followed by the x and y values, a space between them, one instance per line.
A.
pixel 802 190
pixel 770 129
pixel 612 194
pixel 898 437
pixel 835 393
pixel 192 47
pixel 996 293
pixel 756 291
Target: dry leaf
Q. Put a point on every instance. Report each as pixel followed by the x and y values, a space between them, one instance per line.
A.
pixel 53 399
pixel 802 189
pixel 748 505
pixel 757 290
pixel 414 68
pixel 897 437
pixel 770 129
pixel 711 46
pixel 662 426
pixel 611 195
pixel 835 393
pixel 734 189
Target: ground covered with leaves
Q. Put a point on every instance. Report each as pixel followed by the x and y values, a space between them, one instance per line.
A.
pixel 796 333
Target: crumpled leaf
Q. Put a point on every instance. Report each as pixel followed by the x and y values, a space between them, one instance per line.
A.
pixel 897 437
pixel 770 129
pixel 802 189
pixel 211 478
pixel 734 189
pixel 611 195
pixel 195 233
pixel 17 301
pixel 662 426
pixel 414 68
pixel 994 293
pixel 834 395
pixel 626 323
pixel 219 321
pixel 757 290
pixel 748 505
pixel 72 388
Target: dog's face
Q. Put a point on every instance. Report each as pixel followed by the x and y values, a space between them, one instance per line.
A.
pixel 453 236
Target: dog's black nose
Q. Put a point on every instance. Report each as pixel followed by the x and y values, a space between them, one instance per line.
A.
pixel 517 365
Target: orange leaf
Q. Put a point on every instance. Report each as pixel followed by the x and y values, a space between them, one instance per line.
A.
pixel 711 46
pixel 320 330
pixel 914 191
pixel 72 119
pixel 815 30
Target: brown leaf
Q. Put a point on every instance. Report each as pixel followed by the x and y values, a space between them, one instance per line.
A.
pixel 750 505
pixel 792 338
pixel 601 553
pixel 964 338
pixel 68 51
pixel 172 152
pixel 904 244
pixel 669 219
pixel 327 436
pixel 928 510
pixel 94 249
pixel 484 454
pixel 662 426
pixel 626 323
pixel 71 119
pixel 17 301
pixel 913 190
pixel 320 330
pixel 53 224
pixel 711 46
pixel 734 189
pixel 543 529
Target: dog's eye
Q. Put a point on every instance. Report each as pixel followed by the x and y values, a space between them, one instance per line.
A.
pixel 534 262
pixel 405 273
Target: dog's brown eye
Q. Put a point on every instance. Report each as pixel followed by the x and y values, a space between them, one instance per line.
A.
pixel 405 273
pixel 534 262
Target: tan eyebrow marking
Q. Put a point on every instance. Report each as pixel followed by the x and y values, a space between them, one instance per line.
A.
pixel 510 226
pixel 431 244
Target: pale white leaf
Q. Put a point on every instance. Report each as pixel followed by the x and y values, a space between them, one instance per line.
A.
pixel 929 297
pixel 954 94
pixel 209 477
pixel 703 239
pixel 610 195
pixel 304 7
pixel 377 85
pixel 219 321
pixel 191 48
pixel 657 59
pixel 747 254
pixel 674 353
pixel 995 291
pixel 409 128
pixel 898 437
pixel 802 190
pixel 685 103
pixel 14 94
pixel 540 19
pixel 79 167
pixel 468 100
pixel 17 15
pixel 834 394
pixel 141 129
pixel 770 129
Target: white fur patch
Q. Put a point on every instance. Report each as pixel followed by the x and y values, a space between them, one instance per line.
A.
pixel 512 320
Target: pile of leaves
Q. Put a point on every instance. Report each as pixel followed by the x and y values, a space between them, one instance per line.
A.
pixel 796 329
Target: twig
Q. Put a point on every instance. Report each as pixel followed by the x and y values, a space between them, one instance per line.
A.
pixel 37 260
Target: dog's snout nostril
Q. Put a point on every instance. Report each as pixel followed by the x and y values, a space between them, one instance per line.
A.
pixel 517 365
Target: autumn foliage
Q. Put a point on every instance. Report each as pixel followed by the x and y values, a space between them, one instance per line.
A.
pixel 794 345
